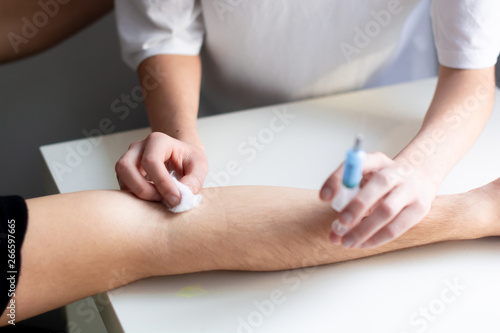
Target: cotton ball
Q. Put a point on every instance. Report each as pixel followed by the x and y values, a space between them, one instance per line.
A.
pixel 189 200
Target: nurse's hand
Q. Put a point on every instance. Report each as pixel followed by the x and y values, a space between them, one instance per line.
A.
pixel 143 168
pixel 391 200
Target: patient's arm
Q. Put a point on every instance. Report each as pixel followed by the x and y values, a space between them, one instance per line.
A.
pixel 18 40
pixel 84 243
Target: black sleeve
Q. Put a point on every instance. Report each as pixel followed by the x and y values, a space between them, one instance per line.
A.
pixel 13 224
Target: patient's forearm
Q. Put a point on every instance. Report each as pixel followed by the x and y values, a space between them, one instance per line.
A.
pixel 84 243
pixel 271 228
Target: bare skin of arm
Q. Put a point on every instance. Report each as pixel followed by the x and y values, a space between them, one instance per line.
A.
pixel 63 21
pixel 460 109
pixel 172 105
pixel 75 242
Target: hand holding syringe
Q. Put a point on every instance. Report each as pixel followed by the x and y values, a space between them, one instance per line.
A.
pixel 383 208
pixel 353 173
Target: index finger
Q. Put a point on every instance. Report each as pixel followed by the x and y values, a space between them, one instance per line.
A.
pixel 331 185
pixel 129 176
pixel 371 164
pixel 375 189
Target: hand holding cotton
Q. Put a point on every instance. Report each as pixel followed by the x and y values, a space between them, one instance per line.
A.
pixel 189 200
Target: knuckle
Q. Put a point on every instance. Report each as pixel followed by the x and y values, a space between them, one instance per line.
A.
pixel 397 229
pixel 141 192
pixel 156 136
pixel 134 144
pixel 121 166
pixel 385 179
pixel 423 206
pixel 148 160
pixel 393 231
pixel 380 156
pixel 358 203
pixel 387 209
pixel 204 164
pixel 356 235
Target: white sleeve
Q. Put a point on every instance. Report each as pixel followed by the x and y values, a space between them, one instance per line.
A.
pixel 467 32
pixel 150 27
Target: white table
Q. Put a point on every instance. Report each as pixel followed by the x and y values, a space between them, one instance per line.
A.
pixel 378 294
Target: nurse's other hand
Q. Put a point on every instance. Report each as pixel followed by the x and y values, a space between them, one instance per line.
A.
pixel 391 200
pixel 143 168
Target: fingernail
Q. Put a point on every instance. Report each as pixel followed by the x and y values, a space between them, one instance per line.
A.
pixel 172 200
pixel 347 242
pixel 326 193
pixel 346 218
pixel 338 228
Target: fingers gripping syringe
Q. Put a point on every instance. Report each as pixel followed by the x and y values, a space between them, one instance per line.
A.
pixel 353 173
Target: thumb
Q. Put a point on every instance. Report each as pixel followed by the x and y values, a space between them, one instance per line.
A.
pixel 194 175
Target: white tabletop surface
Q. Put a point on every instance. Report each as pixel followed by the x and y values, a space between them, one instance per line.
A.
pixel 405 291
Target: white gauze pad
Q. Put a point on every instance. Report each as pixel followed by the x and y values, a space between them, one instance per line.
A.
pixel 188 199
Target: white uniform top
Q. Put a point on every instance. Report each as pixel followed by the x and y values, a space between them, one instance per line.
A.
pixel 260 52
